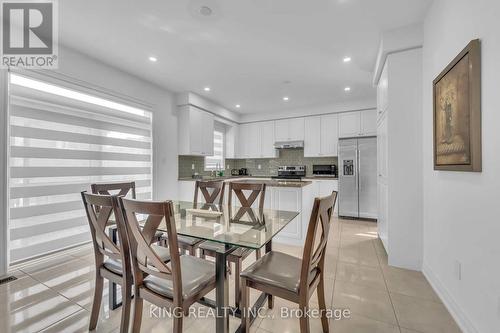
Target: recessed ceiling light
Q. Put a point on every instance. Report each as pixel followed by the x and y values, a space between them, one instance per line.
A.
pixel 206 11
pixel 347 89
pixel 206 88
pixel 285 98
pixel 238 106
pixel 347 59
pixel 153 59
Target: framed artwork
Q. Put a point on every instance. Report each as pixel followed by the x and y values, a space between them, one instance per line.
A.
pixel 457 112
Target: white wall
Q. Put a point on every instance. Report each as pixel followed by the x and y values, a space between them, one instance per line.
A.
pixel 92 71
pixel 462 210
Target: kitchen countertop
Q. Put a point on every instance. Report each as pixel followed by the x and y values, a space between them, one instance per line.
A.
pixel 254 179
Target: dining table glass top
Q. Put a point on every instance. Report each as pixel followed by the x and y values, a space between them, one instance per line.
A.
pixel 230 225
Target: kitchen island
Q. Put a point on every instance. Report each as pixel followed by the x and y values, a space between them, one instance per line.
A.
pixel 290 195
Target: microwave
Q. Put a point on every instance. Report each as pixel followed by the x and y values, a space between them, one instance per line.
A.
pixel 325 170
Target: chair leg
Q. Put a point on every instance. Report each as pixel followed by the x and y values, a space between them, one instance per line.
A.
pixel 177 324
pixel 322 304
pixel 257 254
pixel 304 320
pixel 136 321
pixel 202 254
pixel 237 284
pixel 126 304
pixel 96 305
pixel 192 251
pixel 270 301
pixel 245 309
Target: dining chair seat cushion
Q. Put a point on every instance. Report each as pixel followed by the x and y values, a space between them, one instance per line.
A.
pixel 115 266
pixel 196 274
pixel 188 240
pixel 240 252
pixel 276 269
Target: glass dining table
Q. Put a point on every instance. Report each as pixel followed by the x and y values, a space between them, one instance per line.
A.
pixel 234 227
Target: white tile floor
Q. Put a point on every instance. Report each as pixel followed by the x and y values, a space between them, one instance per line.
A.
pixel 55 294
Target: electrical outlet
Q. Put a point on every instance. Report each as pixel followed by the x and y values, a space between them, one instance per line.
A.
pixel 192 166
pixel 259 166
pixel 228 167
pixel 458 270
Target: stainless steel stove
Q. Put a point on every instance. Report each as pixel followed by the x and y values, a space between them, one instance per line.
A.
pixel 295 172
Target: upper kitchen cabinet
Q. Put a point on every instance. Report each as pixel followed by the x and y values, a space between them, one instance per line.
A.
pixel 196 132
pixel 289 129
pixel 368 123
pixel 231 144
pixel 256 140
pixel 267 140
pixel 359 123
pixel 321 136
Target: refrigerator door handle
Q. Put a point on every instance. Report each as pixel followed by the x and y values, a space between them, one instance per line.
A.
pixel 356 169
pixel 359 167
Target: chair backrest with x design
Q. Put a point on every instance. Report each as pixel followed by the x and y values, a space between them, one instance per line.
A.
pixel 99 209
pixel 211 190
pixel 145 261
pixel 316 239
pixel 257 191
pixel 120 189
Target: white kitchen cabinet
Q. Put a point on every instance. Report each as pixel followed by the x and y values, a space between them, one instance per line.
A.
pixel 243 141
pixel 368 124
pixel 321 136
pixel 231 147
pixel 296 129
pixel 254 140
pixel 267 140
pixel 329 135
pixel 289 129
pixel 290 199
pixel 281 130
pixel 358 123
pixel 382 222
pixel 399 181
pixel 349 124
pixel 324 187
pixel 196 132
pixel 312 137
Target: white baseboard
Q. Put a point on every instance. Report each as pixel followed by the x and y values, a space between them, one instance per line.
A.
pixel 455 310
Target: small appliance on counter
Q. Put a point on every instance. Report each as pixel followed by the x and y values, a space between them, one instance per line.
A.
pixel 295 172
pixel 235 172
pixel 243 172
pixel 324 170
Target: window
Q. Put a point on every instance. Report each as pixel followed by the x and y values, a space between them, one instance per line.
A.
pixel 216 161
pixel 61 141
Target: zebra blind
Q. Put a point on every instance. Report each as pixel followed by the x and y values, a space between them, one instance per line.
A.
pixel 61 141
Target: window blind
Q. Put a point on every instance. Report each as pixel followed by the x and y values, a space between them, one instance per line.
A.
pixel 217 159
pixel 61 141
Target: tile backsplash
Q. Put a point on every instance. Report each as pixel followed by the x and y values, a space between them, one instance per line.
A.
pixel 268 166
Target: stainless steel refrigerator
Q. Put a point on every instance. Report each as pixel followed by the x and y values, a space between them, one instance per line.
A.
pixel 358 177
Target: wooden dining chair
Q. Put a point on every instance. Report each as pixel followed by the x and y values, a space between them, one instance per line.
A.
pixel 121 189
pixel 112 259
pixel 282 275
pixel 176 285
pixel 209 248
pixel 213 193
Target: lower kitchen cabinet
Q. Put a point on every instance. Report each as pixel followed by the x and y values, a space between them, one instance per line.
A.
pixel 325 187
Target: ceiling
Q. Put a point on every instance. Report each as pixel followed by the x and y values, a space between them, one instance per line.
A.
pixel 249 52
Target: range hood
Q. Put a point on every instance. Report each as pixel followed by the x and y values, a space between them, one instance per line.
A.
pixel 289 144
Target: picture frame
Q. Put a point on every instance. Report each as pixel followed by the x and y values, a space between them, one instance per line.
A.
pixel 457 113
